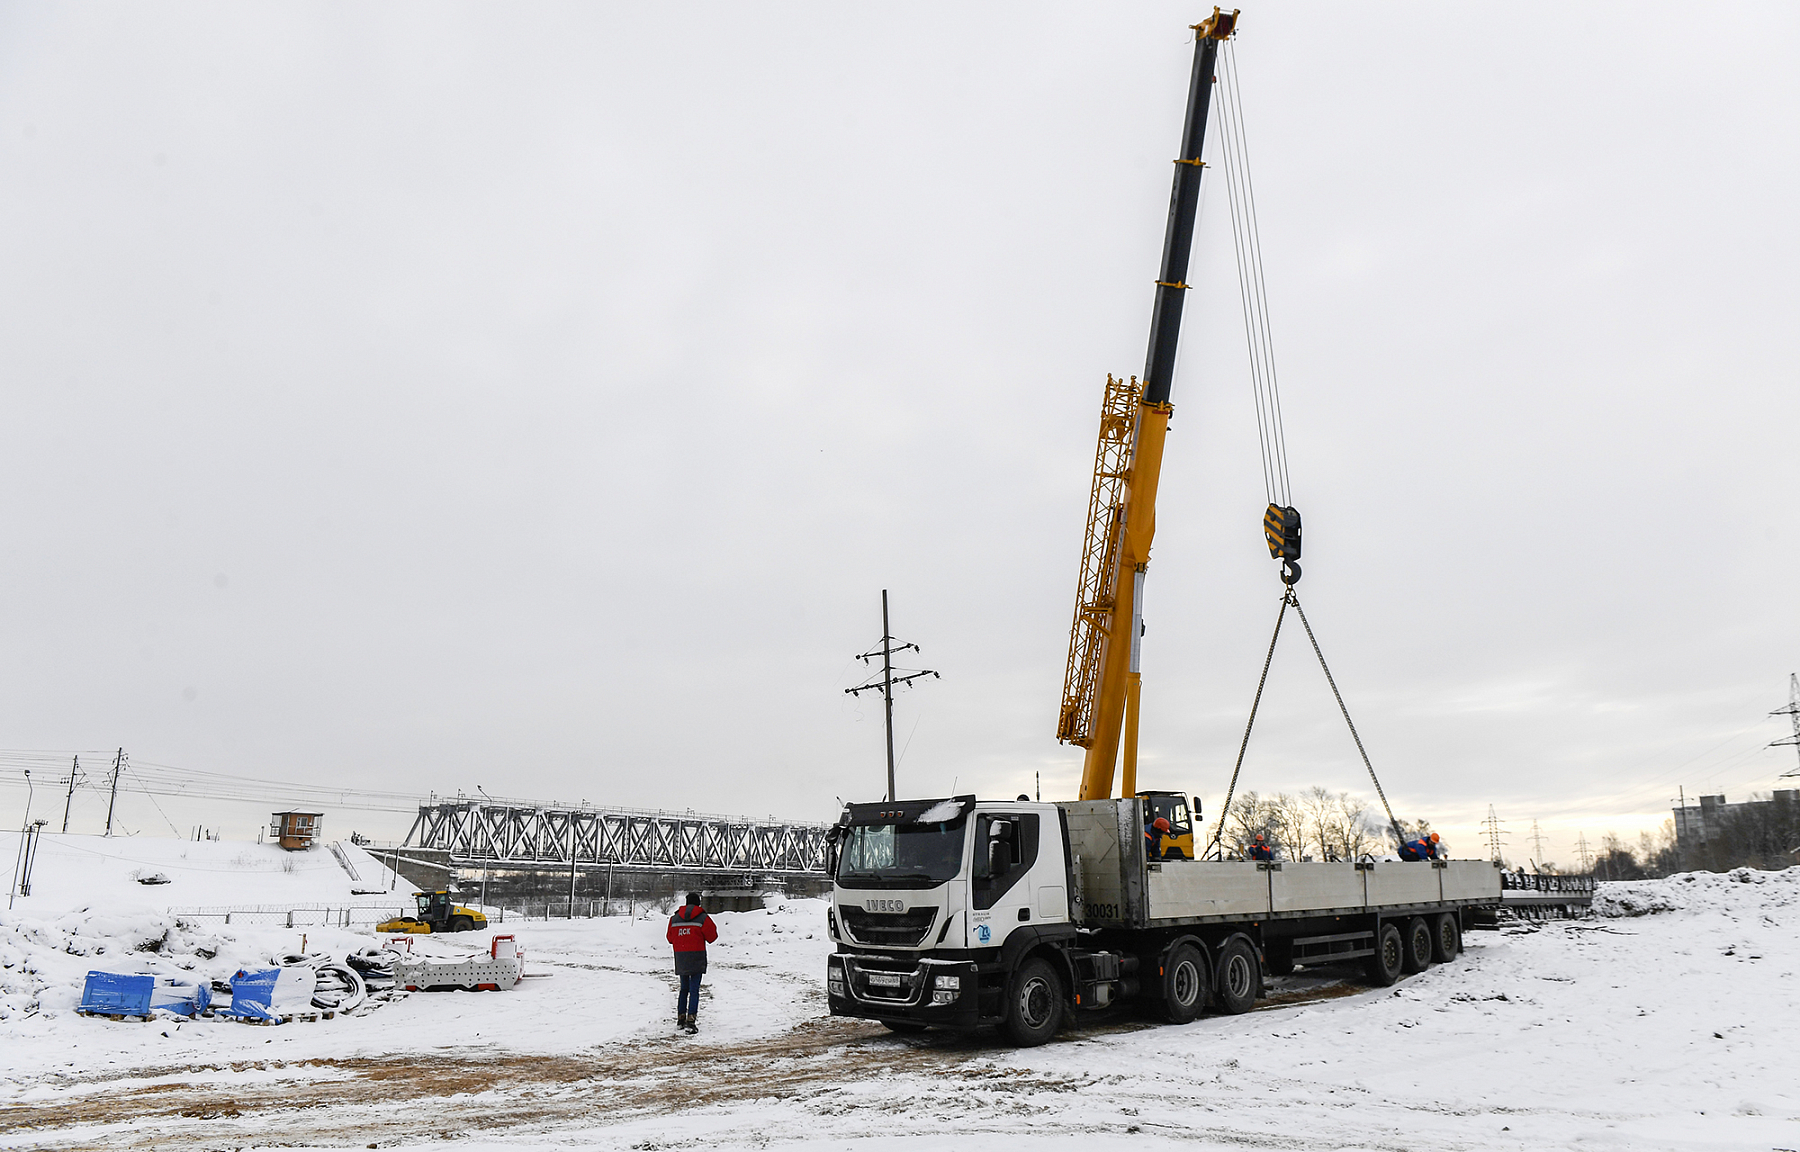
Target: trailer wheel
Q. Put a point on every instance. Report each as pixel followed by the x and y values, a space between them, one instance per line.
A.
pixel 1447 942
pixel 1240 977
pixel 462 924
pixel 1278 957
pixel 1034 1003
pixel 1390 957
pixel 1183 984
pixel 1418 945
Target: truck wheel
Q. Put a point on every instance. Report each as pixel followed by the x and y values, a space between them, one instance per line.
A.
pixel 1278 957
pixel 462 924
pixel 904 1027
pixel 1239 978
pixel 1447 942
pixel 1390 957
pixel 1418 945
pixel 1034 1003
pixel 1183 984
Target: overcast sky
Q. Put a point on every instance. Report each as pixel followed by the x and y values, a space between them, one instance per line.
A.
pixel 423 397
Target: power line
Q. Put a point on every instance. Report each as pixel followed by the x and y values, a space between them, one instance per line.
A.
pixel 887 683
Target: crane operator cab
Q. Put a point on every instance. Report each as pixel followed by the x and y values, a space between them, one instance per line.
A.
pixel 1178 841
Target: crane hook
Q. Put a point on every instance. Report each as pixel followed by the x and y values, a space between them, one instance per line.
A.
pixel 1290 573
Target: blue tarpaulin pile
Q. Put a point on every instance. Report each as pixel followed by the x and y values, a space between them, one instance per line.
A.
pixel 271 993
pixel 140 994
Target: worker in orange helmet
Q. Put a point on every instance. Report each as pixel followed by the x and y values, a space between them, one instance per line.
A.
pixel 1154 832
pixel 1422 848
pixel 1259 850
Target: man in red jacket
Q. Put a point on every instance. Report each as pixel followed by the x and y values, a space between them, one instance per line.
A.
pixel 690 931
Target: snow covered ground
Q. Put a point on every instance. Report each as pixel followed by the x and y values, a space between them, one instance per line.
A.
pixel 1666 1023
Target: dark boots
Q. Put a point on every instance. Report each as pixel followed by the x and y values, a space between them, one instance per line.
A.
pixel 687 1023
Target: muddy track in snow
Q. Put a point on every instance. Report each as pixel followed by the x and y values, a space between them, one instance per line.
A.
pixel 370 1101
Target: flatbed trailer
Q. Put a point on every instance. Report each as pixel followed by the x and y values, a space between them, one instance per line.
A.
pixel 960 913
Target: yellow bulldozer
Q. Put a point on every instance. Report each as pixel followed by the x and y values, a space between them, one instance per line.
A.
pixel 436 914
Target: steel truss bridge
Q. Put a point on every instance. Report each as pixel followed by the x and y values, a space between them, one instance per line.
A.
pixel 512 834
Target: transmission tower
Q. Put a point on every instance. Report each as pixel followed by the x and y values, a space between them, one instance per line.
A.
pixel 888 682
pixel 1792 712
pixel 1583 853
pixel 1537 843
pixel 1490 828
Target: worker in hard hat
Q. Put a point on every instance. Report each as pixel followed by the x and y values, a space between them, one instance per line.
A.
pixel 1420 848
pixel 1154 833
pixel 1257 849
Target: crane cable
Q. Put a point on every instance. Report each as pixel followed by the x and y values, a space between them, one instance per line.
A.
pixel 1259 341
pixel 1246 242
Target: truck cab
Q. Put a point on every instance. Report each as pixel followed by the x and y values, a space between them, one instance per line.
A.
pixel 931 899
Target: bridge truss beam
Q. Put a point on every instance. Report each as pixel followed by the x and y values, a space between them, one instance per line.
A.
pixel 502 835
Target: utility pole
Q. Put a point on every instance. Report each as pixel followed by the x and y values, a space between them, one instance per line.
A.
pixel 1537 844
pixel 1490 828
pixel 1792 712
pixel 118 764
pixel 1583 853
pixel 74 773
pixel 888 681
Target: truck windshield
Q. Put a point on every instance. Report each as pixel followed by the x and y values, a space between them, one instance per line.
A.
pixel 900 853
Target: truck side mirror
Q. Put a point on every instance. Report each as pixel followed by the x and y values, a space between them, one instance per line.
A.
pixel 1196 809
pixel 998 858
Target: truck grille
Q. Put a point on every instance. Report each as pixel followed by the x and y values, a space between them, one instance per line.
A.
pixel 890 929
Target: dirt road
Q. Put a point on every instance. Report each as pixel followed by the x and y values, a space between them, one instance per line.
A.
pixel 367 1102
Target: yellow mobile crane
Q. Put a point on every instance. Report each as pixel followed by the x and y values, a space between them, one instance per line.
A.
pixel 957 912
pixel 1102 683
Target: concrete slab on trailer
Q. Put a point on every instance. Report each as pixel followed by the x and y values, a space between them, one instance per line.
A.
pixel 1403 882
pixel 1471 880
pixel 1308 886
pixel 1180 889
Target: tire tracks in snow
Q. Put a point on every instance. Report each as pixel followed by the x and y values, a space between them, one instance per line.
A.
pixel 436 1095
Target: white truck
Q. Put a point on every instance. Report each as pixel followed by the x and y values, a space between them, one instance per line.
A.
pixel 958 913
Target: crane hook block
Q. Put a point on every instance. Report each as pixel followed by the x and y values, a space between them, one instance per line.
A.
pixel 1281 528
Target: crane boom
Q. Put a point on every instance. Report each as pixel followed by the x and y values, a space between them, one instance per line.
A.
pixel 1100 684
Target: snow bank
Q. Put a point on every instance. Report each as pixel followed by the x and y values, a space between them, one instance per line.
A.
pixel 75 872
pixel 1740 890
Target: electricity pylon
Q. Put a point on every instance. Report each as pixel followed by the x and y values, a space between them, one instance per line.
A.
pixel 1792 712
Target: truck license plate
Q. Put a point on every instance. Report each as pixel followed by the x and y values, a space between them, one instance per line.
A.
pixel 885 979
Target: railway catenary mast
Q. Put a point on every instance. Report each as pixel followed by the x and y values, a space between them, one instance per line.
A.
pixel 1101 683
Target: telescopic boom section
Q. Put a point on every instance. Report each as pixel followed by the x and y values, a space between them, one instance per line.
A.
pixel 1100 686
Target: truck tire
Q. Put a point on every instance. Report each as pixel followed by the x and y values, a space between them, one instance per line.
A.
pixel 1184 990
pixel 1239 977
pixel 461 924
pixel 1446 942
pixel 1390 957
pixel 1034 1003
pixel 1278 957
pixel 1418 945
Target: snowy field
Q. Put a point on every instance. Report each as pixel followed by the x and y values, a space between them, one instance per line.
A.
pixel 1668 1022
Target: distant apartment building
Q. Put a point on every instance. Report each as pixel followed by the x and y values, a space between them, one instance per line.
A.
pixel 1704 824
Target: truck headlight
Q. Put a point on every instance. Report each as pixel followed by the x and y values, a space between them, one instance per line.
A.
pixel 944 997
pixel 949 982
